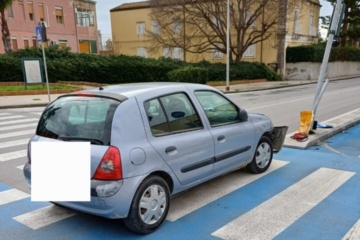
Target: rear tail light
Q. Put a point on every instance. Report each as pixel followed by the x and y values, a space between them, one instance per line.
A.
pixel 110 166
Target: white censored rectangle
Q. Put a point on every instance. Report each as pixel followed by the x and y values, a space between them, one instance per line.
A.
pixel 60 171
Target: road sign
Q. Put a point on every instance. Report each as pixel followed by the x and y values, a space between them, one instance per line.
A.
pixel 38 34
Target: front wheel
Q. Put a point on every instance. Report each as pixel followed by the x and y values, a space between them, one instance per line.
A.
pixel 150 206
pixel 262 157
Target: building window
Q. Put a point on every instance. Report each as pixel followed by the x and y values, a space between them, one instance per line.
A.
pixel 155 27
pixel 216 54
pixel 250 52
pixel 14 44
pixel 177 25
pixel 59 15
pixel 141 52
pixel 62 43
pixel 84 17
pixel 140 28
pixel 26 42
pixel 166 52
pixel 249 20
pixel 177 53
pixel 10 12
pixel 31 11
pixel 41 12
pixel 22 9
pixel 296 21
pixel 34 42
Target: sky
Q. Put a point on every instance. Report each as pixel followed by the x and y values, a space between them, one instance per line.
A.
pixel 103 13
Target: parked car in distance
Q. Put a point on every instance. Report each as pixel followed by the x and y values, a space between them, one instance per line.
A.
pixel 150 141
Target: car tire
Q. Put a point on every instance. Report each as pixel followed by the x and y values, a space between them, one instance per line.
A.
pixel 149 207
pixel 262 156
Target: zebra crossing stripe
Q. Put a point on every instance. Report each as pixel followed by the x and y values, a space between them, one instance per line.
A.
pixel 18 126
pixel 273 216
pixel 15 134
pixel 181 206
pixel 19 121
pixel 44 216
pixel 14 143
pixel 11 195
pixel 12 155
pixel 11 117
pixel 354 233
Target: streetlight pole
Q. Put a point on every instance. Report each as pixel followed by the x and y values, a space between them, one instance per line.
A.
pixel 228 46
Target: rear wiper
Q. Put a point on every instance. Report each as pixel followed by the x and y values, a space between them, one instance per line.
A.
pixel 91 140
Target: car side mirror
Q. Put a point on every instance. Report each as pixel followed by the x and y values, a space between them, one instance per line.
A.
pixel 243 116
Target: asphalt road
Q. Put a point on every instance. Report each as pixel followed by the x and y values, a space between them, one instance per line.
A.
pixel 284 105
pixel 304 195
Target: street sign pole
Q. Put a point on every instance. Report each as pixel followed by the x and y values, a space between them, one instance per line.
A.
pixel 39 37
pixel 321 85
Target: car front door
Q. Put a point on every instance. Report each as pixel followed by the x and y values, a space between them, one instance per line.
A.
pixel 178 135
pixel 233 137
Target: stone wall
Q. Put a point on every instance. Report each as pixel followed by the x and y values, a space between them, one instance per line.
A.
pixel 310 71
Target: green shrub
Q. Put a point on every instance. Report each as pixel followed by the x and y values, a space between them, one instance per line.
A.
pixel 315 53
pixel 189 74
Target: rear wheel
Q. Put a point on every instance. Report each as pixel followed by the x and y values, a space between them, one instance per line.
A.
pixel 262 157
pixel 149 207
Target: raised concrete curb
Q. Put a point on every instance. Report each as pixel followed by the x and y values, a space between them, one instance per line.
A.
pixel 340 124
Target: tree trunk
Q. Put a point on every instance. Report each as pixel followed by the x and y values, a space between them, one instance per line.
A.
pixel 344 28
pixel 281 33
pixel 5 32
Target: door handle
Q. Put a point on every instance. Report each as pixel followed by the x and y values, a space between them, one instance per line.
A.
pixel 171 150
pixel 221 138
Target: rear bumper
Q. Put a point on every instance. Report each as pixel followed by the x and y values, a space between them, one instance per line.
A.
pixel 278 137
pixel 109 199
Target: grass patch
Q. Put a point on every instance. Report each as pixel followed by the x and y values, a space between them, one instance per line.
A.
pixel 17 88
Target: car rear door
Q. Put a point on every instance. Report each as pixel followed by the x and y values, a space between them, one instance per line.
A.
pixel 178 135
pixel 233 138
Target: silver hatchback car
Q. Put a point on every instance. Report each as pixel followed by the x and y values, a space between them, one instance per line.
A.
pixel 150 141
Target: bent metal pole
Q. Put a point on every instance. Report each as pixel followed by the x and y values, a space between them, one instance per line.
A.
pixel 320 85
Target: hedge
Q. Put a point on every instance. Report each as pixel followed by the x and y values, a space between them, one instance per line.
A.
pixel 65 65
pixel 315 53
pixel 189 74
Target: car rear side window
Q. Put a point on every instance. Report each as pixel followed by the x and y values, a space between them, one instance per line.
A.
pixel 172 113
pixel 78 118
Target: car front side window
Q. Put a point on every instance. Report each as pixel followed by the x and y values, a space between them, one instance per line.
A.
pixel 218 109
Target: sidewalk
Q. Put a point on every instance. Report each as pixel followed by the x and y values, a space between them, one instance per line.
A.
pixel 339 123
pixel 43 100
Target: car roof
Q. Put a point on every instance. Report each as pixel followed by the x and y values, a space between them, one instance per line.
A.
pixel 124 91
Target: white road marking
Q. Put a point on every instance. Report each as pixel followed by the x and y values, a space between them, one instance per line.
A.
pixel 12 155
pixel 3 114
pixel 21 167
pixel 11 195
pixel 18 126
pixel 19 121
pixel 354 233
pixel 213 190
pixel 15 134
pixel 14 143
pixel 11 117
pixel 273 216
pixel 44 216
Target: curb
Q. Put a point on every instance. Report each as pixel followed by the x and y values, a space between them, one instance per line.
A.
pixel 25 105
pixel 340 123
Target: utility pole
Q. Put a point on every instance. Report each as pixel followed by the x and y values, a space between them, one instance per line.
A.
pixel 281 34
pixel 227 46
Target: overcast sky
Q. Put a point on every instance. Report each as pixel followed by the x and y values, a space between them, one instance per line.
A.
pixel 103 13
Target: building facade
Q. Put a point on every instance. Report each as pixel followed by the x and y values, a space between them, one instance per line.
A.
pixel 133 29
pixel 69 23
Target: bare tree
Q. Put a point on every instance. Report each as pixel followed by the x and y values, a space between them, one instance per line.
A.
pixel 199 26
pixel 109 45
pixel 4 27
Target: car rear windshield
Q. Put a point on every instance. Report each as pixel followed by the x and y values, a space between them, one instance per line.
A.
pixel 76 118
